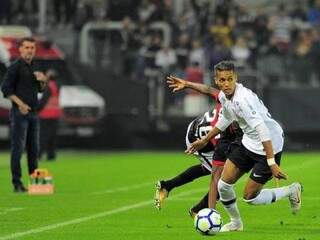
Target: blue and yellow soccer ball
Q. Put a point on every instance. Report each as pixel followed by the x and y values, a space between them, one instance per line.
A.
pixel 208 221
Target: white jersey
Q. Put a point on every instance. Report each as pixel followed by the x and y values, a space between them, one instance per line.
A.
pixel 249 111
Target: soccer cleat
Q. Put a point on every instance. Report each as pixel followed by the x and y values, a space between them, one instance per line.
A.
pixel 160 195
pixel 192 213
pixel 295 197
pixel 232 226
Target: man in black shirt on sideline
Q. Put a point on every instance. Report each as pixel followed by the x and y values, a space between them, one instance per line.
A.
pixel 21 84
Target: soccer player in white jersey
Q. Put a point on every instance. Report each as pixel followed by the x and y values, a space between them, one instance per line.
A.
pixel 212 158
pixel 259 151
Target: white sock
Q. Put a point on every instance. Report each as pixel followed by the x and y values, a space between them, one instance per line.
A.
pixel 228 199
pixel 268 196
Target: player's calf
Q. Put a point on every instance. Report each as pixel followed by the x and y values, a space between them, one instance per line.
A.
pixel 268 196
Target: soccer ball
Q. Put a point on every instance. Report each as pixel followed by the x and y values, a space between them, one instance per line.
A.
pixel 208 221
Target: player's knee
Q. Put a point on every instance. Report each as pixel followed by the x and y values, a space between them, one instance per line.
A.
pixel 226 193
pixel 225 189
pixel 223 186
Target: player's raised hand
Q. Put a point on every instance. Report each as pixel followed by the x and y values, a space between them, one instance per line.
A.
pixel 196 145
pixel 176 84
pixel 277 173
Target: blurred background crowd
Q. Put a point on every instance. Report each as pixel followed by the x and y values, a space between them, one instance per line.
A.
pixel 134 44
pixel 278 39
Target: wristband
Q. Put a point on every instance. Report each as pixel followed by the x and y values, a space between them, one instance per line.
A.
pixel 271 161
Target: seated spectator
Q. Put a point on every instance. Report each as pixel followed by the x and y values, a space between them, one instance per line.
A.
pixel 148 52
pixel 315 54
pixel 166 58
pixel 145 10
pixel 314 13
pixel 197 54
pixel 272 62
pixel 219 52
pixel 183 49
pixel 221 30
pixel 298 12
pixel 301 65
pixel 240 52
pixel 131 42
pixel 281 25
pixel 194 73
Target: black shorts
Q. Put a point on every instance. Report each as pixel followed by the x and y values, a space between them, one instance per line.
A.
pixel 221 150
pixel 246 160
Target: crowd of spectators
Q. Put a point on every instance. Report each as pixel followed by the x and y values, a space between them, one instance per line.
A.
pixel 61 12
pixel 283 45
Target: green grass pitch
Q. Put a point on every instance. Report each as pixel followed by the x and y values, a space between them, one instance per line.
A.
pixel 108 195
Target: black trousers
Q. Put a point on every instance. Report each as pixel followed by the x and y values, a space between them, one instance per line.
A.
pixel 24 134
pixel 48 137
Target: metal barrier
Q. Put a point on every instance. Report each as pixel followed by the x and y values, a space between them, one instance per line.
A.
pixel 156 96
pixel 114 26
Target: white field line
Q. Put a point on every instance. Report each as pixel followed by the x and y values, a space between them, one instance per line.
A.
pixel 8 210
pixel 88 218
pixel 123 189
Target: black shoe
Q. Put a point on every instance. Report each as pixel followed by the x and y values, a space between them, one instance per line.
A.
pixel 19 189
pixel 192 213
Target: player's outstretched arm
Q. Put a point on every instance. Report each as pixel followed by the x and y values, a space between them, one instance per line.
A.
pixel 177 84
pixel 201 143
